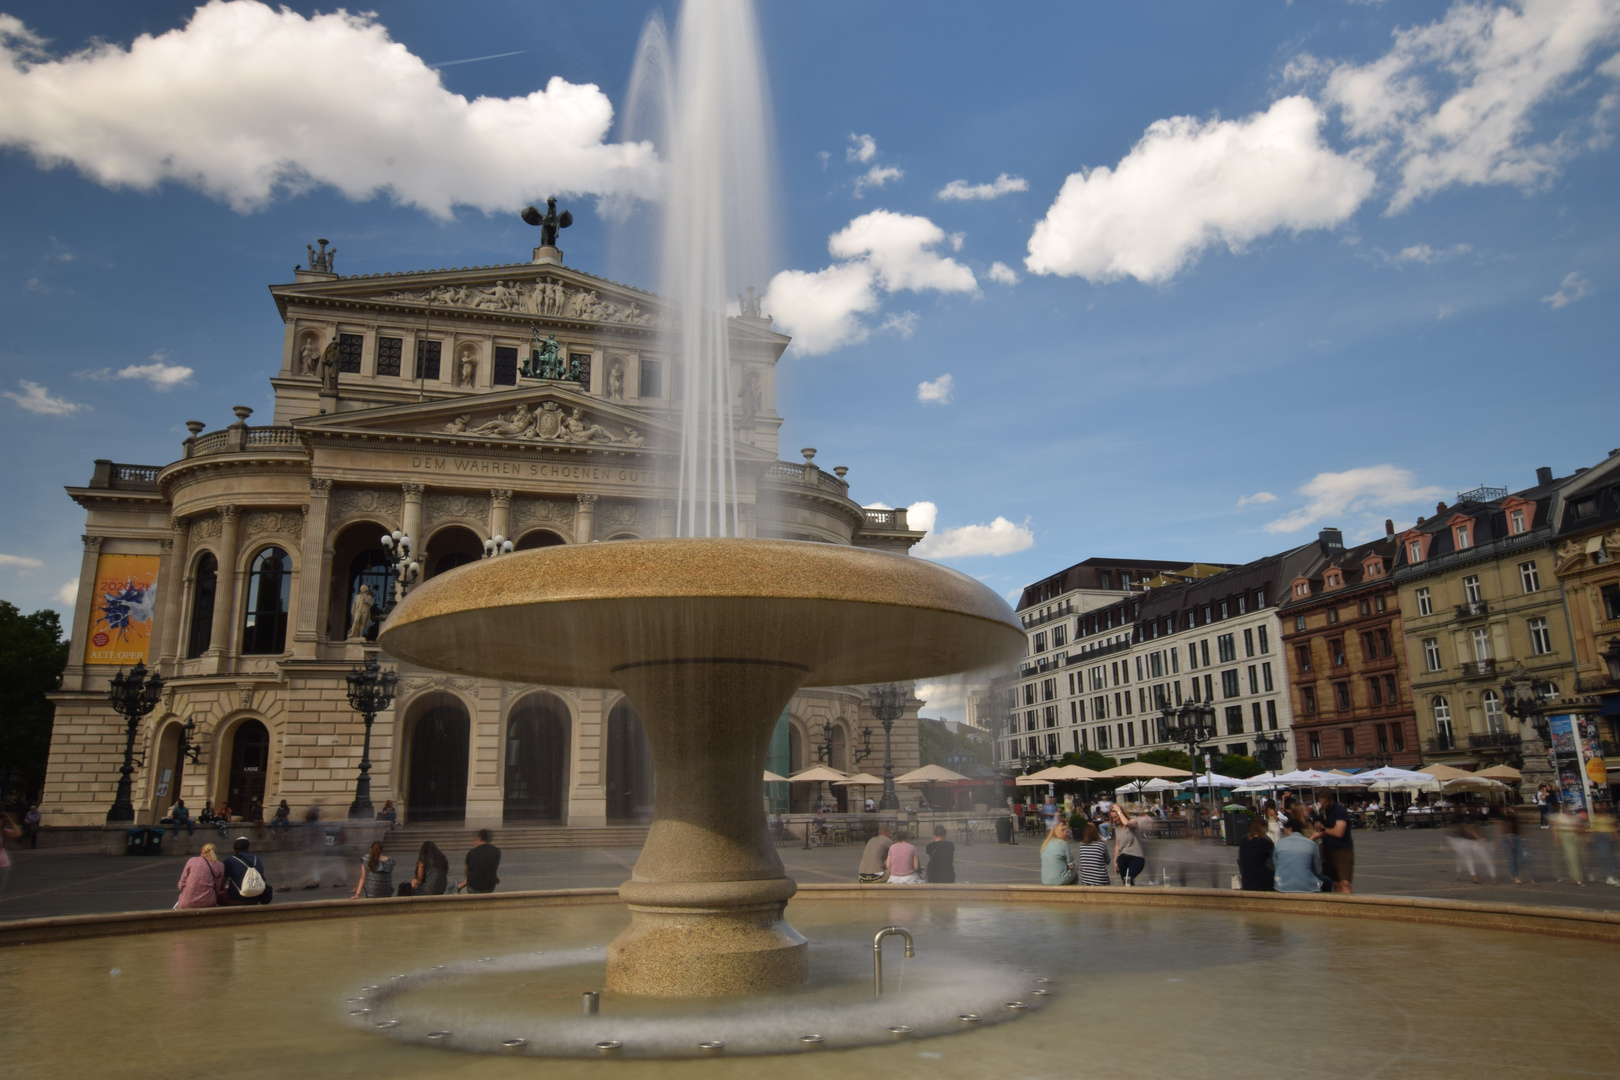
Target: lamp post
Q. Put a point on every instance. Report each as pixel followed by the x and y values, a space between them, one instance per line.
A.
pixel 189 751
pixel 1270 747
pixel 1191 725
pixel 371 690
pixel 888 702
pixel 497 545
pixel 402 566
pixel 133 697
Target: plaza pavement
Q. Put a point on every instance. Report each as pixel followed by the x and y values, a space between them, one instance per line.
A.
pixel 1398 863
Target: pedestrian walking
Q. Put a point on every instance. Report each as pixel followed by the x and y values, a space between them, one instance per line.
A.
pixel 376 875
pixel 1567 835
pixel 1057 861
pixel 1338 847
pixel 8 831
pixel 941 858
pixel 246 880
pixel 1091 856
pixel 874 857
pixel 1513 849
pixel 480 865
pixel 1469 846
pixel 1600 828
pixel 1129 855
pixel 30 825
pixel 1257 864
pixel 202 879
pixel 901 861
pixel 432 876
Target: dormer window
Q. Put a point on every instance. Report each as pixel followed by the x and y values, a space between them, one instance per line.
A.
pixel 1414 551
pixel 1520 514
pixel 1417 545
pixel 1302 588
pixel 1462 536
pixel 1373 567
pixel 1332 579
pixel 1516 522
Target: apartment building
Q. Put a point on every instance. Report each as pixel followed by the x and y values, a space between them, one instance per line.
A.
pixel 1587 562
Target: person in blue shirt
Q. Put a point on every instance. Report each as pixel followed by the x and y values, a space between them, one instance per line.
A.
pixel 1298 861
pixel 1057 862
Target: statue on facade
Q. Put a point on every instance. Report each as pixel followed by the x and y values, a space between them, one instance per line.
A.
pixel 458 425
pixel 615 382
pixel 549 222
pixel 750 306
pixel 632 437
pixel 323 260
pixel 309 357
pixel 360 612
pixel 577 429
pixel 750 396
pixel 467 367
pixel 544 360
pixel 515 424
pixel 329 369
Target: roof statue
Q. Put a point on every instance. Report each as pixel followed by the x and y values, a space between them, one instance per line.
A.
pixel 323 260
pixel 549 222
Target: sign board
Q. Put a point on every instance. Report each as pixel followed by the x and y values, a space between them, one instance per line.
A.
pixel 122 607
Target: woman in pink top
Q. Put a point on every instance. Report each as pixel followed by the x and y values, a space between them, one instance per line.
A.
pixel 201 879
pixel 904 868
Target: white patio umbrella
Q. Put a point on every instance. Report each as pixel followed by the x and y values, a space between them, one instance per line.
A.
pixel 1207 780
pixel 861 780
pixel 818 775
pixel 1313 778
pixel 772 778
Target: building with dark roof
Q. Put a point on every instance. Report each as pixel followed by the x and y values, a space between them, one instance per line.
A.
pixel 1587 559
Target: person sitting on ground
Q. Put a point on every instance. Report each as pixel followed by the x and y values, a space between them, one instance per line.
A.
pixel 1257 866
pixel 941 858
pixel 201 880
pixel 1297 861
pixel 432 873
pixel 1092 856
pixel 237 865
pixel 376 875
pixel 480 865
pixel 901 861
pixel 1057 862
pixel 874 858
pixel 388 813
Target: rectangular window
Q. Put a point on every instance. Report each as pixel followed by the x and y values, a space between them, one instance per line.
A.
pixel 1529 577
pixel 1299 622
pixel 1365 607
pixel 1102 738
pixel 1378 603
pixel 652 379
pixel 1224 609
pixel 1397 736
pixel 1611 601
pixel 1177 685
pixel 1208 618
pixel 1234 719
pixel 1385 644
pixel 1341 695
pixel 1074 712
pixel 1060 636
pixel 1540 637
pixel 1307 700
pixel 1271 716
pixel 1029 693
pixel 1265 676
pixel 1175 661
pixel 1482 644
pixel 1302 657
pixel 1203 652
pixel 1414 551
pixel 1208 689
pixel 506 366
pixel 1139 669
pixel 1156 665
pixel 349 346
pixel 390 350
pixel 1332 616
pixel 1040 642
pixel 1254 714
pixel 1050 715
pixel 1369 646
pixel 1119 707
pixel 1382 733
pixel 581 362
pixel 1349 740
pixel 1254 679
pixel 1229 683
pixel 1471 591
pixel 1141 700
pixel 1431 653
pixel 1048 689
pixel 1265 641
pixel 1248 643
pixel 1316 745
pixel 1462 537
pixel 1375 693
pixel 1227 648
pixel 427 359
pixel 1336 650
pixel 1425 602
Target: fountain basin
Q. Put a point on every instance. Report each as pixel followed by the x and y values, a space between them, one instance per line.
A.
pixel 709 639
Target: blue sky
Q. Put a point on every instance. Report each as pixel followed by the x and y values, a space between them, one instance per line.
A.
pixel 1225 273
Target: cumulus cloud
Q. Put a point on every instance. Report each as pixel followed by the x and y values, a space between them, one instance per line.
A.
pixel 1453 100
pixel 1423 253
pixel 1002 273
pixel 231 104
pixel 36 399
pixel 862 148
pixel 160 373
pixel 1574 287
pixel 1000 537
pixel 937 391
pixel 68 594
pixel 1190 184
pixel 883 252
pixel 1257 497
pixel 961 190
pixel 21 562
pixel 1370 490
pixel 903 323
pixel 876 177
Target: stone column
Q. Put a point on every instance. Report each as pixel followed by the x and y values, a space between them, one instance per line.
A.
pixel 79 631
pixel 587 797
pixel 666 516
pixel 500 512
pixel 745 519
pixel 411 517
pixel 313 564
pixel 584 531
pixel 225 594
pixel 173 580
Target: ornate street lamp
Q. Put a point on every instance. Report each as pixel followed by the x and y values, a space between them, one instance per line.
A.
pixel 402 566
pixel 1525 697
pixel 1191 725
pixel 888 702
pixel 1381 760
pixel 1611 657
pixel 497 545
pixel 133 697
pixel 189 751
pixel 371 690
pixel 1270 747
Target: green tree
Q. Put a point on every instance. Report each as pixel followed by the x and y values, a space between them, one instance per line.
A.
pixel 936 742
pixel 32 656
pixel 1170 759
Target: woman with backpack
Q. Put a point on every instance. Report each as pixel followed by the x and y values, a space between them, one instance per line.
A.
pixel 202 879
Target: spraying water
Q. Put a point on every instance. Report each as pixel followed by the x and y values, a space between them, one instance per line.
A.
pixel 717 235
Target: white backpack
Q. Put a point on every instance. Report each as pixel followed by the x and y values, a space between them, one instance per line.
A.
pixel 252 881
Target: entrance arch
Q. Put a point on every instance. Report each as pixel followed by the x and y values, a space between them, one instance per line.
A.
pixel 450 547
pixel 249 759
pixel 166 769
pixel 629 767
pixel 538 538
pixel 437 789
pixel 536 759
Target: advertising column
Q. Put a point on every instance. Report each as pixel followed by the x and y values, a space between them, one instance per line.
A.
pixel 1576 755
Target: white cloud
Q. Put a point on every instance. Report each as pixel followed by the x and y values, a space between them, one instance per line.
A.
pixel 1000 537
pixel 68 594
pixel 1370 490
pixel 1002 273
pixel 21 562
pixel 1189 184
pixel 1257 497
pixel 1423 253
pixel 876 177
pixel 1574 287
pixel 36 399
pixel 161 375
pixel 876 506
pixel 903 323
pixel 246 102
pixel 921 515
pixel 1453 100
pixel 961 190
pixel 937 391
pixel 862 148
pixel 882 251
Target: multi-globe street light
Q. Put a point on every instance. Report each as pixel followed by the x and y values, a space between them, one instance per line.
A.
pixel 888 701
pixel 1190 725
pixel 371 691
pixel 133 697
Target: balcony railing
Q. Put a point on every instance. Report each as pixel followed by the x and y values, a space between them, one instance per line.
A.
pixel 1473 609
pixel 237 438
pixel 1594 684
pixel 1473 669
pixel 1440 743
pixel 809 475
pixel 1063 612
pixel 1494 740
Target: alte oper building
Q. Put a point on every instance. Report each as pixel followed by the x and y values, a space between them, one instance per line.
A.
pixel 528 401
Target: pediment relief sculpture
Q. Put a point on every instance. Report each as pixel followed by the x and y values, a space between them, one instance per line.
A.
pixel 351 500
pixel 544 297
pixel 438 507
pixel 549 423
pixel 275 522
pixel 527 512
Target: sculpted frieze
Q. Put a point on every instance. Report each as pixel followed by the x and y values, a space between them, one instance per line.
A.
pixel 549 423
pixel 204 528
pixel 274 522
pixel 548 296
pixel 437 507
pixel 531 512
pixel 357 500
pixel 618 514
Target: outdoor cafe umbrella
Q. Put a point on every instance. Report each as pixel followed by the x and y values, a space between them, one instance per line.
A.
pixel 772 778
pixel 1142 770
pixel 818 775
pixel 1443 773
pixel 860 780
pixel 1505 773
pixel 1313 778
pixel 926 777
pixel 1208 779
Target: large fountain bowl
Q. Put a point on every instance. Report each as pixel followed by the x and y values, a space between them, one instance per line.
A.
pixel 709 639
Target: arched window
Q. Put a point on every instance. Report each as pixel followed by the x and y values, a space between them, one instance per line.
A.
pixel 1493 712
pixel 1444 738
pixel 264 630
pixel 371 568
pixel 206 583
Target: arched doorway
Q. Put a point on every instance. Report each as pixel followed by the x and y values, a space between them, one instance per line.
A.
pixel 166 770
pixel 838 758
pixel 539 538
pixel 629 767
pixel 536 759
pixel 451 547
pixel 437 789
pixel 250 764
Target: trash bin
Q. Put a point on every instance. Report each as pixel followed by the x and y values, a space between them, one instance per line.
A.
pixel 1237 827
pixel 1004 830
pixel 143 841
